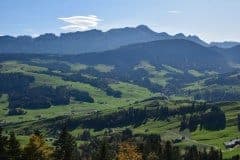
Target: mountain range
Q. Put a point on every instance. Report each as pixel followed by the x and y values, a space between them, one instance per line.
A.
pixel 92 41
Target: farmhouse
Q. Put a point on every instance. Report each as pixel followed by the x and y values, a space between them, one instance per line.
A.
pixel 232 143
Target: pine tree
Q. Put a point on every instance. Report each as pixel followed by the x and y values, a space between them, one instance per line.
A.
pixel 184 123
pixel 37 149
pixel 176 153
pixel 126 134
pixel 167 153
pixel 86 135
pixel 152 143
pixel 192 153
pixel 13 147
pixel 193 123
pixel 220 155
pixel 3 145
pixel 102 152
pixel 214 154
pixel 65 146
pixel 237 157
pixel 204 155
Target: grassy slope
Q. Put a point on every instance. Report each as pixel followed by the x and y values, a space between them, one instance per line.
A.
pixel 195 73
pixel 158 76
pixel 104 103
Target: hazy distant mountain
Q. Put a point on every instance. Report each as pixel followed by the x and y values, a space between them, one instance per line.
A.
pixel 226 44
pixel 87 41
pixel 233 55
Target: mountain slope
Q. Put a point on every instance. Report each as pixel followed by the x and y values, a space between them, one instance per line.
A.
pixel 181 54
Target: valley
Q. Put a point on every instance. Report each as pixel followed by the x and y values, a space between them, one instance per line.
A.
pixel 147 87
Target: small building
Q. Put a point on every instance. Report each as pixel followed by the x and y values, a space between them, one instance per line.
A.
pixel 232 143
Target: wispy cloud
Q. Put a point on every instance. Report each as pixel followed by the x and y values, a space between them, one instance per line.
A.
pixel 80 23
pixel 174 12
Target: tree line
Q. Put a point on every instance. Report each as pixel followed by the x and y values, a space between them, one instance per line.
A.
pixel 212 120
pixel 111 146
pixel 216 95
pixel 45 97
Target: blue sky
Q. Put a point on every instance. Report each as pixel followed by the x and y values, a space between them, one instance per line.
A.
pixel 212 20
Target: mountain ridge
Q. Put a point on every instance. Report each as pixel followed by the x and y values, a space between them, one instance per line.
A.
pixel 87 41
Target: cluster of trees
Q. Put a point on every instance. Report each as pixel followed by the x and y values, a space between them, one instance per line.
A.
pixel 82 96
pixel 118 119
pixel 212 120
pixel 39 97
pixel 138 116
pixel 37 148
pixel 45 96
pixel 9 146
pixel 17 82
pixel 110 146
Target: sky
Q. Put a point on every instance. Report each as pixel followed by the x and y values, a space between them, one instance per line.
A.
pixel 211 20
